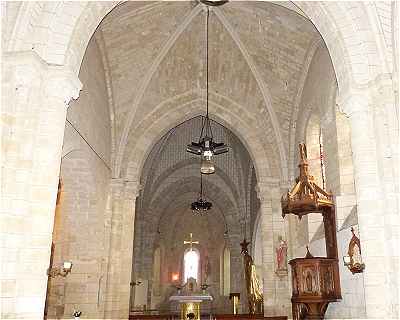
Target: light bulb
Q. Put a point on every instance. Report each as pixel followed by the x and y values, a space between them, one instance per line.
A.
pixel 207 166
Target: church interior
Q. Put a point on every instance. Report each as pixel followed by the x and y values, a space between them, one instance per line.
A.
pixel 199 160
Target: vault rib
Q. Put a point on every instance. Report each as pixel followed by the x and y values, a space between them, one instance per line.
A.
pixel 149 75
pixel 263 88
pixel 297 100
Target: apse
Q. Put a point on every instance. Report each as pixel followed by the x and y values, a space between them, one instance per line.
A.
pixel 172 241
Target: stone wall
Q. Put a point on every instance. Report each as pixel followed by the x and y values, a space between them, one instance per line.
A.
pixel 319 111
pixel 44 43
pixel 352 305
pixel 170 180
pixel 80 232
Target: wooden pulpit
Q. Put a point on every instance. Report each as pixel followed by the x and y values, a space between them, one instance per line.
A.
pixel 315 280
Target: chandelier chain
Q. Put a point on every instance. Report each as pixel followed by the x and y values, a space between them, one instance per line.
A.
pixel 207 120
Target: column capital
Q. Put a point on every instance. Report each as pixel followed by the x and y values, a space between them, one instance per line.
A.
pixel 266 187
pixel 357 98
pixel 62 83
pixel 116 187
pixel 132 189
pixel 128 189
pixel 25 67
pixel 56 81
pixel 354 102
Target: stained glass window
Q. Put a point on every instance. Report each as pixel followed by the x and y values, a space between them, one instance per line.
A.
pixel 191 262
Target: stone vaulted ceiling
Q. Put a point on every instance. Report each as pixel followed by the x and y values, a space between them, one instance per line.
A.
pixel 155 61
pixel 155 54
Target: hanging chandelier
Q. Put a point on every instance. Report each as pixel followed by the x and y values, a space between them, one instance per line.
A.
pixel 206 147
pixel 201 205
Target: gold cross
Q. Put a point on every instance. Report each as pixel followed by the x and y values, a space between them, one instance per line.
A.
pixel 191 242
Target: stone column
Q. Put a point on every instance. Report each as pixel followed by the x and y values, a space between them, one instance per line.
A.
pixel 121 248
pixel 276 289
pixel 376 251
pixel 35 98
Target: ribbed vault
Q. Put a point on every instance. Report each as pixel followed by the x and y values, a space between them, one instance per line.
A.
pixel 156 61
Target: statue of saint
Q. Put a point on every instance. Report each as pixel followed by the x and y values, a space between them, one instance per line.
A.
pixel 254 293
pixel 309 281
pixel 281 254
pixel 303 152
pixel 356 255
pixel 207 268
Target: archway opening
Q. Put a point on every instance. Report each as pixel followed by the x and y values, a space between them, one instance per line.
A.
pixel 192 243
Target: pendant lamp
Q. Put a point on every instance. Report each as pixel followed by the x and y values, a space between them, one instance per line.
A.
pixel 206 147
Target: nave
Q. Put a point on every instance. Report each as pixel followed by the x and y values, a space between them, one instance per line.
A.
pixel 199 158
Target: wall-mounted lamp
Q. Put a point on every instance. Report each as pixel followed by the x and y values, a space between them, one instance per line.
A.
pixel 175 277
pixel 353 260
pixel 60 271
pixel 136 283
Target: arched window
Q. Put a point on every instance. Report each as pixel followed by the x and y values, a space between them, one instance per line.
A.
pixel 225 272
pixel 157 272
pixel 191 264
pixel 316 165
pixel 315 150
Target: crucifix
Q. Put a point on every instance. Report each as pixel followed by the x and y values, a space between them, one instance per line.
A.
pixel 191 242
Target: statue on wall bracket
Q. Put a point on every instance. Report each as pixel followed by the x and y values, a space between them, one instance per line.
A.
pixel 281 258
pixel 353 260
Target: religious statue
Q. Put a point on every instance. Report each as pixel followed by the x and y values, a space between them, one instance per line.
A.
pixel 303 152
pixel 254 293
pixel 281 254
pixel 207 268
pixel 354 261
pixel 309 281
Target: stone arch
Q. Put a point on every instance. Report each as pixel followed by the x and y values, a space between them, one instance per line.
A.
pixel 242 124
pixel 166 202
pixel 182 164
pixel 190 185
pixel 339 24
pixel 76 23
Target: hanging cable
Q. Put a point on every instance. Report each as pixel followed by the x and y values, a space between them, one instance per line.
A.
pixel 245 224
pixel 201 186
pixel 208 125
pixel 207 17
pixel 205 146
pixel 321 158
pixel 88 144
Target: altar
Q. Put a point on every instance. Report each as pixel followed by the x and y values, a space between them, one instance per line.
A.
pixel 189 300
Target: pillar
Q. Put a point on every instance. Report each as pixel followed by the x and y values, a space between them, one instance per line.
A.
pixel 276 288
pixel 35 98
pixel 377 213
pixel 119 273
